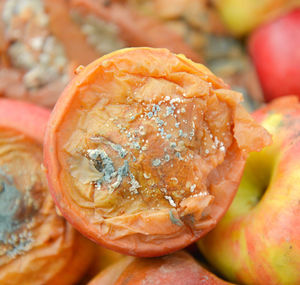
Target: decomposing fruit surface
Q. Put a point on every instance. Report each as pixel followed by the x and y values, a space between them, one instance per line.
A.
pixel 145 149
pixel 34 64
pixel 36 245
pixel 178 268
pixel 41 41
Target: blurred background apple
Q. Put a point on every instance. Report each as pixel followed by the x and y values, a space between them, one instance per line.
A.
pixel 242 16
pixel 275 50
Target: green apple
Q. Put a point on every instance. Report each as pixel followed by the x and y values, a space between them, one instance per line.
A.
pixel 258 240
pixel 241 16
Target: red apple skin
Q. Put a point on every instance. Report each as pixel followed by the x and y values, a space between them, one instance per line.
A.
pixel 275 50
pixel 24 117
pixel 179 268
pixel 258 240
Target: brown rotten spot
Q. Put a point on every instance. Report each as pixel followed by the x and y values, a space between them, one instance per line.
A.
pixel 36 245
pixel 145 150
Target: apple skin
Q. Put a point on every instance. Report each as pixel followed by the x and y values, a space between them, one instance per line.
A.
pixel 178 268
pixel 258 240
pixel 275 51
pixel 242 16
pixel 24 117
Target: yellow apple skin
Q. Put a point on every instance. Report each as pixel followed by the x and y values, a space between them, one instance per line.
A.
pixel 258 240
pixel 242 16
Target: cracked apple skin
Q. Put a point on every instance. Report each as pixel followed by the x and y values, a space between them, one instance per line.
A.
pixel 178 268
pixel 257 241
pixel 145 149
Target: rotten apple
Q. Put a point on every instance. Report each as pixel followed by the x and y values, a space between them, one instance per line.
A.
pixel 145 150
pixel 36 245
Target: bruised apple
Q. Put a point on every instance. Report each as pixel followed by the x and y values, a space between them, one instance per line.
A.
pixel 145 149
pixel 36 245
pixel 179 268
pixel 257 241
pixel 274 48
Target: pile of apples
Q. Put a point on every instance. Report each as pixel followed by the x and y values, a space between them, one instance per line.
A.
pixel 258 239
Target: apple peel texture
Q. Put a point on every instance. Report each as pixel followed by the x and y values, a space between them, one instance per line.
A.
pixel 145 150
pixel 257 241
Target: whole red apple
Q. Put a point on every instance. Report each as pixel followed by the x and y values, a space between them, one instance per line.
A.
pixel 275 49
pixel 178 268
pixel 258 240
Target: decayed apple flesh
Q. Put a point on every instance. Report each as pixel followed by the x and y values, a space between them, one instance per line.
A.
pixel 40 58
pixel 150 155
pixel 22 193
pixel 148 146
pixel 31 233
pixel 32 47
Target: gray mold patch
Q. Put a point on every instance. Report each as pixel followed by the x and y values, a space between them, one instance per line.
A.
pixel 15 214
pixel 104 164
pixel 116 147
pixel 174 220
pixel 10 202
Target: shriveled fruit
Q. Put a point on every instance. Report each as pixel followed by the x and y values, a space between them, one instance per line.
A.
pixel 145 149
pixel 36 245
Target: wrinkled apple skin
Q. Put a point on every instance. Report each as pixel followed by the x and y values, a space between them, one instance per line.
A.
pixel 275 50
pixel 258 240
